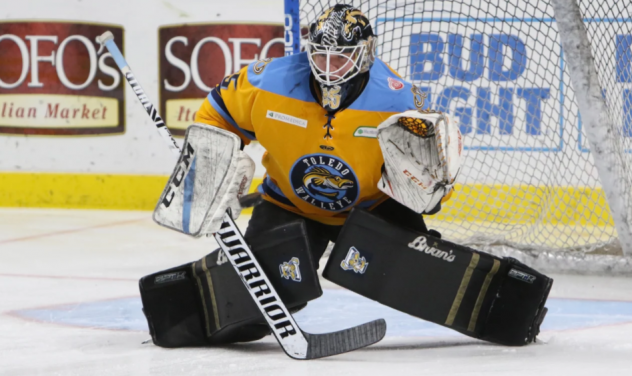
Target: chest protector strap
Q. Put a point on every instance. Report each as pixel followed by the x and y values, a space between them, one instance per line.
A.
pixel 495 299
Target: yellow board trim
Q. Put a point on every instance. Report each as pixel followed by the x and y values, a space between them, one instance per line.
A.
pixel 473 202
pixel 85 191
pixel 527 204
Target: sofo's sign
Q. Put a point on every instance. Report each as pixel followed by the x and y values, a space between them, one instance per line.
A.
pixel 53 83
pixel 195 58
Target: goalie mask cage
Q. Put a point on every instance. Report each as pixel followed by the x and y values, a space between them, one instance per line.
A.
pixel 537 177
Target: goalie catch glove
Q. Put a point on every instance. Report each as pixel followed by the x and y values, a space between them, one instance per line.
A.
pixel 422 158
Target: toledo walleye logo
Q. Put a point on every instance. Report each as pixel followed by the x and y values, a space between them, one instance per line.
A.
pixel 354 261
pixel 290 270
pixel 324 181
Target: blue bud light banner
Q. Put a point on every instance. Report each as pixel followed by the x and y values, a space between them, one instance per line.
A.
pixel 503 80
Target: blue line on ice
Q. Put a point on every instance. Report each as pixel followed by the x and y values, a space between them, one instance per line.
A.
pixel 336 309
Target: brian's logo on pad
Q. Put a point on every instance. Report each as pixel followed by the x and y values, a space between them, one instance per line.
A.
pixel 421 244
pixel 324 181
pixel 354 261
pixel 290 270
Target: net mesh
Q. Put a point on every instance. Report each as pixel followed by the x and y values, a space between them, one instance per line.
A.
pixel 528 181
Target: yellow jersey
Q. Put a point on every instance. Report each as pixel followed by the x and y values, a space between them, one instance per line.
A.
pixel 318 165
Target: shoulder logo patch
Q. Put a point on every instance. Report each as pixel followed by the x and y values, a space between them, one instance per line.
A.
pixel 260 65
pixel 395 84
pixel 365 131
pixel 286 119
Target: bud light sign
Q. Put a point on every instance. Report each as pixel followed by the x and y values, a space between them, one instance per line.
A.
pixel 504 80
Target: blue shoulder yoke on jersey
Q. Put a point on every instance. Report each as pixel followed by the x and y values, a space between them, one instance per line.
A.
pixel 287 76
pixel 379 97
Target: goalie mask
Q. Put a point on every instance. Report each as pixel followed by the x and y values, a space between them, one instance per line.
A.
pixel 341 46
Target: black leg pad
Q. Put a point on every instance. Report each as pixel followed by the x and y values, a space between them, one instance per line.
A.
pixel 171 306
pixel 205 302
pixel 477 294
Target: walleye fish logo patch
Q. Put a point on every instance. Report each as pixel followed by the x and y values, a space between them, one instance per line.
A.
pixel 324 181
pixel 354 261
pixel 290 270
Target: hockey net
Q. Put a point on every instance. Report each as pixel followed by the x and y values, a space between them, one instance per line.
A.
pixel 529 187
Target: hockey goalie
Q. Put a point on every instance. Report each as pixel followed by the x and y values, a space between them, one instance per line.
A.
pixel 355 158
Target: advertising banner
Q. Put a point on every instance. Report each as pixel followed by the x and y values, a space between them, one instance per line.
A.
pixel 52 82
pixel 195 58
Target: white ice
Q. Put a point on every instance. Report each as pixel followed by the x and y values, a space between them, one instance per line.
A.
pixel 69 305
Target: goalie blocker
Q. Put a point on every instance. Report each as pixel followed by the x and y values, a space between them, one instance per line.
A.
pixel 477 294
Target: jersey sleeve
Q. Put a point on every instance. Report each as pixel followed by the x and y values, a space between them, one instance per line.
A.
pixel 228 106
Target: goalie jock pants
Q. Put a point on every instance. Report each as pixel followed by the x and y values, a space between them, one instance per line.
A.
pixel 266 216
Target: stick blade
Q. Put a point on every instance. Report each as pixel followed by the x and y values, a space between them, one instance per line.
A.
pixel 327 344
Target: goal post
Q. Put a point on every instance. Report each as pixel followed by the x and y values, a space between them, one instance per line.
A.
pixel 600 130
pixel 543 159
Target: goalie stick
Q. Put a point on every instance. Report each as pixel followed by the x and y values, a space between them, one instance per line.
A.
pixel 296 343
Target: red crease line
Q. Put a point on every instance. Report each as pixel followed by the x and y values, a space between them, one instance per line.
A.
pixel 69 231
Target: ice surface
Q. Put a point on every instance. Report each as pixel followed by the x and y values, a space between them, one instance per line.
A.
pixel 69 305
